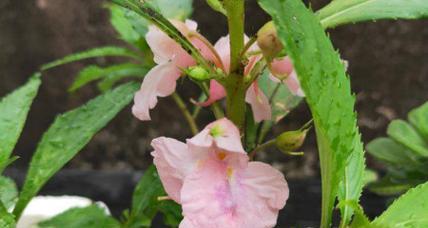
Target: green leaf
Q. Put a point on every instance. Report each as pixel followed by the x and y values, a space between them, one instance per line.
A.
pixel 391 152
pixel 144 199
pixel 340 12
pixel 177 9
pixel 418 117
pixel 390 186
pixel 87 217
pixel 217 5
pixel 328 94
pixel 92 53
pixel 145 9
pixel 353 181
pixel 7 220
pixel 112 73
pixel 13 114
pixel 8 192
pixel 145 203
pixel 410 210
pixel 406 135
pixel 68 134
pixel 131 27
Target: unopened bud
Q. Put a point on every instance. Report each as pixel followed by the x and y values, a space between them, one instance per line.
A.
pixel 268 41
pixel 291 140
pixel 198 73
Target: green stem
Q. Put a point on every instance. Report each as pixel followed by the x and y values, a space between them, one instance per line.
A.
pixel 265 145
pixel 236 15
pixel 234 83
pixel 187 115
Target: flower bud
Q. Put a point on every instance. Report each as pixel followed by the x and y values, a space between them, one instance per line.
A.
pixel 291 140
pixel 268 41
pixel 198 73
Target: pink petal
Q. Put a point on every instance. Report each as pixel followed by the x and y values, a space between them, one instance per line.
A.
pixel 281 68
pixel 166 49
pixel 160 81
pixel 173 162
pixel 227 138
pixel 218 196
pixel 222 46
pixel 294 85
pixel 267 183
pixel 259 103
pixel 217 92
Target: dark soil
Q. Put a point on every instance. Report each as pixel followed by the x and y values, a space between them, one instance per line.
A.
pixel 388 68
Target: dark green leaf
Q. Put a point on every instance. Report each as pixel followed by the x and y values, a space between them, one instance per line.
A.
pixel 418 117
pixel 406 135
pixel 87 217
pixel 340 12
pixel 390 186
pixel 7 220
pixel 13 114
pixel 410 210
pixel 328 93
pixel 8 192
pixel 92 53
pixel 111 73
pixel 145 203
pixel 68 135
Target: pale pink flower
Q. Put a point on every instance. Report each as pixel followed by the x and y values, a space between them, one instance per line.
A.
pixel 255 97
pixel 170 58
pixel 213 180
pixel 282 70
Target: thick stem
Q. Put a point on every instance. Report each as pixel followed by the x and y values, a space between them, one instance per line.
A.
pixel 236 20
pixel 235 100
pixel 187 115
pixel 235 86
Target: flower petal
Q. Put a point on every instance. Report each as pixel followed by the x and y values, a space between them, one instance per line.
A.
pixel 166 49
pixel 217 92
pixel 222 134
pixel 160 81
pixel 173 161
pixel 222 46
pixel 217 196
pixel 294 85
pixel 267 183
pixel 259 103
pixel 281 68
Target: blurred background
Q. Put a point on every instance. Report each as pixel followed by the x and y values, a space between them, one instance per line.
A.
pixel 388 66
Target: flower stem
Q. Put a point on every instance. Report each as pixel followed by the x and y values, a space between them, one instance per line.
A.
pixel 186 113
pixel 235 14
pixel 265 145
pixel 234 83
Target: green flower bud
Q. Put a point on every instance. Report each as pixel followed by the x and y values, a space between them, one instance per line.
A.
pixel 217 6
pixel 198 73
pixel 291 140
pixel 268 41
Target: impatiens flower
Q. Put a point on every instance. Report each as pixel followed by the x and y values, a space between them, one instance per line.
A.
pixel 282 71
pixel 213 180
pixel 170 58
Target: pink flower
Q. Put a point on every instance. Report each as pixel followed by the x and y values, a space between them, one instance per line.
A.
pixel 255 97
pixel 211 177
pixel 160 81
pixel 282 70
